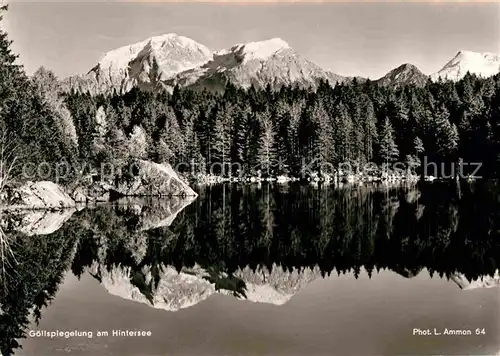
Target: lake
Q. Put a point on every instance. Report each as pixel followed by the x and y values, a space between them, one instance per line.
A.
pixel 258 270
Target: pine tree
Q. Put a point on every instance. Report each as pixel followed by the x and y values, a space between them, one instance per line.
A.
pixel 324 145
pixel 292 135
pixel 283 150
pixel 220 141
pixel 357 136
pixel 388 150
pixel 117 143
pixel 240 144
pixel 413 159
pixel 343 126
pixel 13 99
pixel 12 76
pixel 369 130
pixel 418 145
pixel 171 138
pixel 446 134
pixel 99 151
pixel 266 154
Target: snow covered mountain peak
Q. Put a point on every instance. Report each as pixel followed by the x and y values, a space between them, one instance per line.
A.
pixel 145 65
pixel 466 53
pixel 269 62
pixel 175 40
pixel 475 58
pixel 408 66
pixel 169 46
pixel 483 64
pixel 261 50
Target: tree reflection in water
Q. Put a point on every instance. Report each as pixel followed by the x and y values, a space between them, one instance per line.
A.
pixel 232 237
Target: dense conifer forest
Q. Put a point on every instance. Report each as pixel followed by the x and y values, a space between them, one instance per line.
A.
pixel 269 132
pixel 32 116
pixel 278 131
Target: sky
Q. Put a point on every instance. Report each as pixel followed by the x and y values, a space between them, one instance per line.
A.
pixel 355 39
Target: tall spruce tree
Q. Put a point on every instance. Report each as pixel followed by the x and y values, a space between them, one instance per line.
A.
pixel 266 153
pixel 324 145
pixel 220 141
pixel 446 134
pixel 388 150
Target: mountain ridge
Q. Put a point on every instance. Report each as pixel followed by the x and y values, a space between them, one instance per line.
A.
pixel 260 63
pixel 165 61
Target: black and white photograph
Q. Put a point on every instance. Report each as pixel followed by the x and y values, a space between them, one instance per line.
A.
pixel 249 178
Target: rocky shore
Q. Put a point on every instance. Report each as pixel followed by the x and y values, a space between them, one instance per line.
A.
pixel 148 179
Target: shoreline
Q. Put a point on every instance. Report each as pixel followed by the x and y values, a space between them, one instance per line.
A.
pixel 68 200
pixel 313 178
pixel 327 180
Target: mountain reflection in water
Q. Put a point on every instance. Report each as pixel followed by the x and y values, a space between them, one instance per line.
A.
pixel 259 243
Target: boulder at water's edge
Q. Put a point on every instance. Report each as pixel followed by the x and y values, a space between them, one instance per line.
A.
pixel 153 179
pixel 39 195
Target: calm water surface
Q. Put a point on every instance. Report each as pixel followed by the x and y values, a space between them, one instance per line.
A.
pixel 258 270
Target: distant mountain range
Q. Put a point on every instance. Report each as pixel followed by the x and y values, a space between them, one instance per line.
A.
pixel 170 60
pixel 178 290
pixel 257 63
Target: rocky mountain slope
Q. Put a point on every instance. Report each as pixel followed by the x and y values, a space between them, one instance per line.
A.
pixel 180 290
pixel 144 64
pixel 165 61
pixel 261 63
pixel 403 75
pixel 482 64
